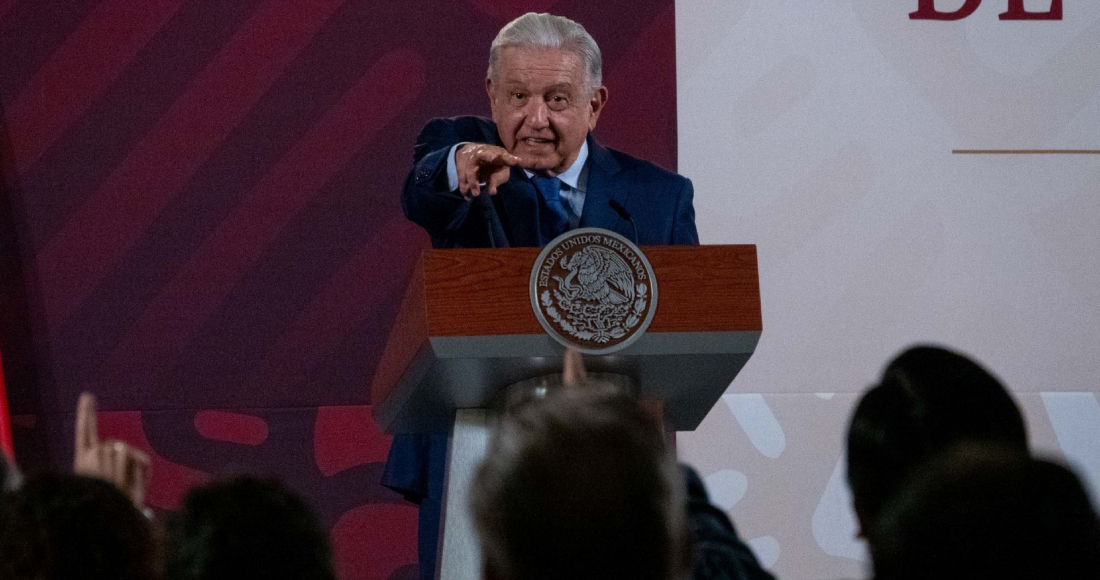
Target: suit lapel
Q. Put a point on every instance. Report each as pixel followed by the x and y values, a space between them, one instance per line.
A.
pixel 597 212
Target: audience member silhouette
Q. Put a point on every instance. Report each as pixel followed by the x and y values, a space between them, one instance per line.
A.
pixel 246 528
pixel 988 513
pixel 928 400
pixel 71 526
pixel 579 485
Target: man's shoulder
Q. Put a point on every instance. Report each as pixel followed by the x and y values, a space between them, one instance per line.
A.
pixel 632 167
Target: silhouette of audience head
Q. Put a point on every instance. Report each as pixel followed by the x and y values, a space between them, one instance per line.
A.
pixel 928 400
pixel 246 528
pixel 981 512
pixel 579 485
pixel 71 526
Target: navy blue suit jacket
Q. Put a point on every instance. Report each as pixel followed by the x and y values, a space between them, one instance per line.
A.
pixel 658 200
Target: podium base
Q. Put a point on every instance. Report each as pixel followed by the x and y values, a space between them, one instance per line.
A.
pixel 460 557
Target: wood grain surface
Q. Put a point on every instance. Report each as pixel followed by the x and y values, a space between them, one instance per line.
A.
pixel 485 292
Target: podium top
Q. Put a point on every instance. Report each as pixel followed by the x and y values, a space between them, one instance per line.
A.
pixel 466 329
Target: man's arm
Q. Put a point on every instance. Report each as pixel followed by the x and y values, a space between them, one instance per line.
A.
pixel 427 198
pixel 448 172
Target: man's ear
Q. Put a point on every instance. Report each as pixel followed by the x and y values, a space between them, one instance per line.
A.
pixel 596 104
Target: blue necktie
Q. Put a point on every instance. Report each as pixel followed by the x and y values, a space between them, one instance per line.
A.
pixel 553 219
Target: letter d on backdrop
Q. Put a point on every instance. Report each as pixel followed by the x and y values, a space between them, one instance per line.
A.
pixel 926 10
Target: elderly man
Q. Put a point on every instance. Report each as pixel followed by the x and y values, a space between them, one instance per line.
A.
pixel 536 158
pixel 522 178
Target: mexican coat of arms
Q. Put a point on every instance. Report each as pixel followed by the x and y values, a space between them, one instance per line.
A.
pixel 594 290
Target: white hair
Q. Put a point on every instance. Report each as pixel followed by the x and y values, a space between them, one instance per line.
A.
pixel 547 30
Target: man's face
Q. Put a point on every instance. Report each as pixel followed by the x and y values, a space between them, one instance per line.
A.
pixel 543 107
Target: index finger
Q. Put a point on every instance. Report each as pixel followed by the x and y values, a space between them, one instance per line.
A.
pixel 87 436
pixel 573 373
pixel 139 480
pixel 497 157
pixel 137 455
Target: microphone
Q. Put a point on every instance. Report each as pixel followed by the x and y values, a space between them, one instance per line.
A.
pixel 494 230
pixel 619 209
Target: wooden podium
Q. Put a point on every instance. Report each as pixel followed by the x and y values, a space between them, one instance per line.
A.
pixel 466 330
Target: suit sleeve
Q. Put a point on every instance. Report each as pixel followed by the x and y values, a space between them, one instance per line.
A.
pixel 427 199
pixel 683 225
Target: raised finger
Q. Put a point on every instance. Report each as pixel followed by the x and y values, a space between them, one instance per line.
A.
pixel 139 461
pixel 137 466
pixel 105 466
pixel 87 436
pixel 121 463
pixel 573 373
pixel 139 480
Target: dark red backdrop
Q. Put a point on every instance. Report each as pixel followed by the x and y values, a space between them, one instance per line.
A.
pixel 200 223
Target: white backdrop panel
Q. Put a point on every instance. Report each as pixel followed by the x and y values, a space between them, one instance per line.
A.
pixel 823 132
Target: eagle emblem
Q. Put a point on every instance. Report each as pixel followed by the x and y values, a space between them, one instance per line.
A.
pixel 594 289
pixel 597 274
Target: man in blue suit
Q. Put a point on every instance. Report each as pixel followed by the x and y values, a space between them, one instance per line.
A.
pixel 536 158
pixel 522 178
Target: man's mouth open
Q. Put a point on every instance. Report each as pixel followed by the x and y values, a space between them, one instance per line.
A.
pixel 536 142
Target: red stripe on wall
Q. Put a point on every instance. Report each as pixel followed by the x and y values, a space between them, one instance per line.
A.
pixel 112 220
pixel 231 427
pixel 5 417
pixel 79 71
pixel 206 281
pixel 350 296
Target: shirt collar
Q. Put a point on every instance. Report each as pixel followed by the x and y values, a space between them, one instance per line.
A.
pixel 572 176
